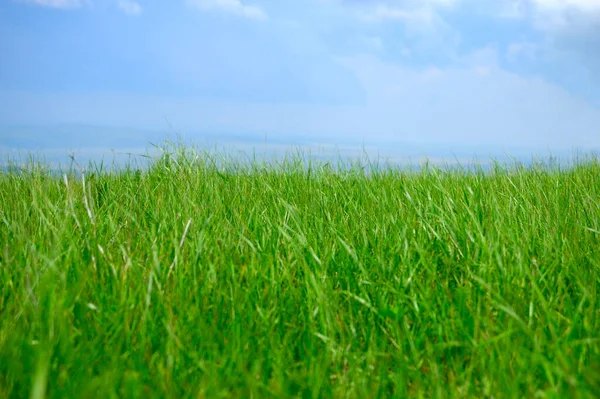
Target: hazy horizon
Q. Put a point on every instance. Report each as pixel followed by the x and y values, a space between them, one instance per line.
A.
pixel 58 145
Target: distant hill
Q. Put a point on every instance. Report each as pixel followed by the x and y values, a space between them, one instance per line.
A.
pixel 76 136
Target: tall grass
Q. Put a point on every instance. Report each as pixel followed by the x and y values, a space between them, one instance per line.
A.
pixel 200 277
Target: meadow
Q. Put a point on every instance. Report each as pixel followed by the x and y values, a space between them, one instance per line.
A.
pixel 203 277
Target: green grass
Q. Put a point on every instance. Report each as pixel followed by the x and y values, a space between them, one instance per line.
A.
pixel 198 279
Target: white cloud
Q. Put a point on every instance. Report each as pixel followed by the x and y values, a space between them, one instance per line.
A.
pixel 130 7
pixel 545 14
pixel 476 103
pixel 418 18
pixel 235 7
pixel 513 9
pixel 384 12
pixel 55 3
pixel 558 15
pixel 582 5
pixel 372 42
pixel 568 30
pixel 519 50
pixel 571 28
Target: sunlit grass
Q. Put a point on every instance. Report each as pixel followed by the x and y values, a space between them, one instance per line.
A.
pixel 203 277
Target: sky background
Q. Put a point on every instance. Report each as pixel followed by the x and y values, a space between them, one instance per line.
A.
pixel 407 76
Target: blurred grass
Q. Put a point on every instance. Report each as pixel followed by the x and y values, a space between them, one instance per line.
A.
pixel 203 277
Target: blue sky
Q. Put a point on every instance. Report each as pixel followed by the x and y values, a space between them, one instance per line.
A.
pixel 456 73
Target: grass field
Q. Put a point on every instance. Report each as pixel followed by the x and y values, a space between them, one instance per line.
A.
pixel 205 280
